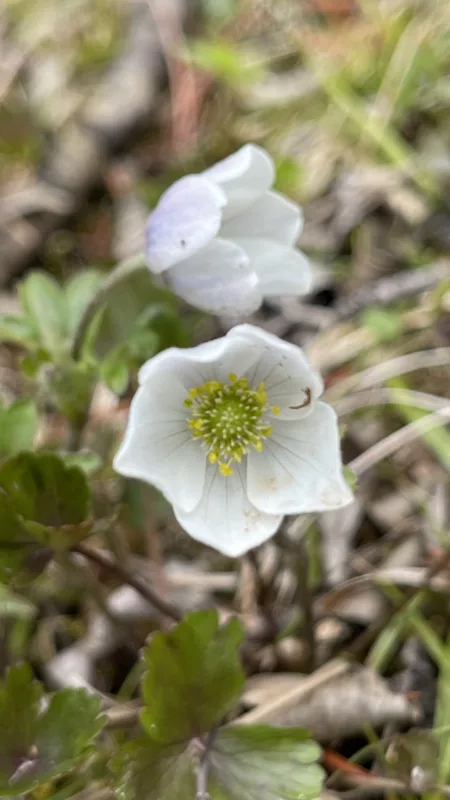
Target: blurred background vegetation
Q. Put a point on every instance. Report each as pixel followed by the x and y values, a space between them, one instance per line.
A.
pixel 103 104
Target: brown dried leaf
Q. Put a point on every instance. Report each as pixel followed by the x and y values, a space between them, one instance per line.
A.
pixel 365 696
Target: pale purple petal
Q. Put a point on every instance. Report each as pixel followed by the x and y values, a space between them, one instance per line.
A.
pixel 217 279
pixel 244 176
pixel 281 270
pixel 271 216
pixel 187 217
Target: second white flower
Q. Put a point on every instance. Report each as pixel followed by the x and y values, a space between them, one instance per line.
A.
pixel 224 239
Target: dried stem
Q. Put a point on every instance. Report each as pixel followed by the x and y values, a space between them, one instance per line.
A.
pixel 139 584
pixel 380 396
pixel 386 447
pixel 275 710
pixel 423 359
pixel 305 601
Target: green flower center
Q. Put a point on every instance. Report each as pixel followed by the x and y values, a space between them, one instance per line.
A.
pixel 229 418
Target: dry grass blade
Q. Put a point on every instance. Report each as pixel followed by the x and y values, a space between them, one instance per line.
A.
pixel 282 705
pixel 423 359
pixel 398 439
pixel 381 396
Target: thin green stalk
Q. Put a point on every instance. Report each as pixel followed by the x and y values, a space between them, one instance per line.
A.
pixel 123 271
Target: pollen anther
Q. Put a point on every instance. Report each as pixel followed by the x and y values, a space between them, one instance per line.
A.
pixel 229 419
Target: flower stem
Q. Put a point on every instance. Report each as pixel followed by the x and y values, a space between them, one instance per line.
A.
pixel 123 270
pixel 202 772
pixel 139 584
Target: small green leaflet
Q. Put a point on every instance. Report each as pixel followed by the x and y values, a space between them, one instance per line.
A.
pixel 40 741
pixel 194 677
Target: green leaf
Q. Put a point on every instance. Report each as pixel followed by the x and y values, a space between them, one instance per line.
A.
pixel 19 554
pixel 70 386
pixel 44 506
pixel 17 330
pixel 86 460
pixel 43 499
pixel 164 320
pixel 65 731
pixel 226 61
pixel 350 477
pixel 194 677
pixel 114 370
pixel 143 344
pixel 145 770
pixel 385 325
pixel 288 175
pixel 79 292
pixel 124 304
pixel 39 743
pixel 20 699
pixel 31 363
pixel 45 305
pixel 18 425
pixel 264 763
pixel 14 606
pixel 244 763
pixel 414 749
pixel 41 488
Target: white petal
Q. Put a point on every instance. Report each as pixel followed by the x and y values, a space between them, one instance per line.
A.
pixel 225 519
pixel 280 269
pixel 187 217
pixel 158 447
pixel 192 366
pixel 243 176
pixel 189 363
pixel 217 279
pixel 300 468
pixel 271 216
pixel 289 378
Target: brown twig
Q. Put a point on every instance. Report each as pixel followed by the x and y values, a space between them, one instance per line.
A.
pixel 139 584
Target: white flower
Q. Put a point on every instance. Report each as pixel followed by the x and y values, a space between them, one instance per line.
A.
pixel 224 241
pixel 233 434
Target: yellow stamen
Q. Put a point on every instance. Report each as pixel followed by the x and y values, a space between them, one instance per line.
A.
pixel 196 424
pixel 229 419
pixel 225 469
